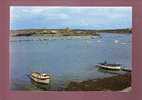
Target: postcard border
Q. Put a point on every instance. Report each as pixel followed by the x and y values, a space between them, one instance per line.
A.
pixel 7 94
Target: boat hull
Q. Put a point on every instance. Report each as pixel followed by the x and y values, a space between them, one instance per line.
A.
pixel 46 81
pixel 109 67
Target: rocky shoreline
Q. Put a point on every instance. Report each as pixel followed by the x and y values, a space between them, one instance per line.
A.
pixel 114 83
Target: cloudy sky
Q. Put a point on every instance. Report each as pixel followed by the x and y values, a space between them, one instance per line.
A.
pixel 27 17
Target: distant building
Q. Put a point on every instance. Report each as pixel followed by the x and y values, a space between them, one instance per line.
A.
pixel 53 31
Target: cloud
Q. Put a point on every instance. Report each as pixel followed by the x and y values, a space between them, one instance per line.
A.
pixel 74 17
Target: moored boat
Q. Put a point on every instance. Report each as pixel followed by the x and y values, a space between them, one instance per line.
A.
pixel 42 78
pixel 108 66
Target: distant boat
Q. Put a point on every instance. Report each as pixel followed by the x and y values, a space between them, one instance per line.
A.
pixel 123 43
pixel 40 77
pixel 116 41
pixel 107 66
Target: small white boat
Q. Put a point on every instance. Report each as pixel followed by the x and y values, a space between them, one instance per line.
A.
pixel 109 66
pixel 116 41
pixel 40 77
pixel 123 43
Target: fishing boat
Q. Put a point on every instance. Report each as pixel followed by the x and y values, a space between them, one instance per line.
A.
pixel 40 77
pixel 108 66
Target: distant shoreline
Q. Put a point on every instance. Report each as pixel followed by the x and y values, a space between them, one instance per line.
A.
pixel 66 32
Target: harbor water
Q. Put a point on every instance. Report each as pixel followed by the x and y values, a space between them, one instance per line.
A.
pixel 66 59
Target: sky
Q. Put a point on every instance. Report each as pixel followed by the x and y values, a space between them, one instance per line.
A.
pixel 37 17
